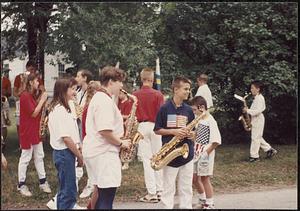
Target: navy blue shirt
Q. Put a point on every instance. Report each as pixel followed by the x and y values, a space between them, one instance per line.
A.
pixel 171 117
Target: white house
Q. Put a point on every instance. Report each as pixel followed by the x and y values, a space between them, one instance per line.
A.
pixel 54 67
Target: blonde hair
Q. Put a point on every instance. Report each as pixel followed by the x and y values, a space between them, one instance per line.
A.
pixel 147 74
pixel 92 88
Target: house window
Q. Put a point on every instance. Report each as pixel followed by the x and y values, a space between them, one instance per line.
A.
pixel 61 68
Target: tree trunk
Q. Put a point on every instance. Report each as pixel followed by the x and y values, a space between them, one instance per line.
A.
pixel 31 38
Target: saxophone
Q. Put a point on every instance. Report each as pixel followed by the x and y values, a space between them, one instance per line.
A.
pixel 170 151
pixel 44 120
pixel 245 118
pixel 127 155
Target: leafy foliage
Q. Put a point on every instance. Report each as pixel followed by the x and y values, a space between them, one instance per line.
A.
pixel 233 42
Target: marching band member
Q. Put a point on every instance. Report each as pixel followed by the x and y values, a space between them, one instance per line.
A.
pixel 171 121
pixel 204 90
pixel 20 85
pixel 124 105
pixel 92 88
pixel 258 123
pixel 30 141
pixel 207 139
pixel 149 102
pixel 64 138
pixel 101 145
pixel 83 77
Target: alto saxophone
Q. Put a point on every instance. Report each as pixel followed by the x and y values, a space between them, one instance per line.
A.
pixel 245 118
pixel 127 155
pixel 44 120
pixel 170 151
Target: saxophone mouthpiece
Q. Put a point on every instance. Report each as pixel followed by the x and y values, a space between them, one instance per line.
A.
pixel 122 90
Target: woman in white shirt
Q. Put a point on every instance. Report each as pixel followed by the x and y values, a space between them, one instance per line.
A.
pixel 64 138
pixel 101 145
pixel 258 122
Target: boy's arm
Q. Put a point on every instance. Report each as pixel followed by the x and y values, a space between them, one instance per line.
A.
pixel 211 147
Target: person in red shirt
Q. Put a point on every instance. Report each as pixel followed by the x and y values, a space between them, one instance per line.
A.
pixel 124 105
pixel 5 110
pixel 19 87
pixel 149 102
pixel 5 83
pixel 30 141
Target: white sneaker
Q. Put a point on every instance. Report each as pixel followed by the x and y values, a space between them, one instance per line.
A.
pixel 77 207
pixel 52 204
pixel 45 187
pixel 87 191
pixel 24 190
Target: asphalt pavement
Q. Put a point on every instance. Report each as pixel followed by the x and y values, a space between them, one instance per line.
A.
pixel 272 199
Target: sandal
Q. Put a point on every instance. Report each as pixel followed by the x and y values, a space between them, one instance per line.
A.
pixel 149 199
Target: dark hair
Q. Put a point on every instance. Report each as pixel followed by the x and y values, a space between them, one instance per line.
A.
pixel 258 84
pixel 203 77
pixel 60 91
pixel 178 79
pixel 198 101
pixel 87 74
pixel 31 63
pixel 111 73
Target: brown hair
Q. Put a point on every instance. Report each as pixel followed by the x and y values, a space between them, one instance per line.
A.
pixel 92 88
pixel 177 80
pixel 258 85
pixel 146 74
pixel 198 101
pixel 87 74
pixel 31 63
pixel 60 92
pixel 111 73
pixel 203 77
pixel 29 78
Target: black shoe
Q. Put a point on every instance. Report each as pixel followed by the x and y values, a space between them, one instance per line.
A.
pixel 251 160
pixel 271 153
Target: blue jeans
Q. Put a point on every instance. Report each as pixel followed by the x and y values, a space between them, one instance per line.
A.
pixel 64 161
pixel 105 198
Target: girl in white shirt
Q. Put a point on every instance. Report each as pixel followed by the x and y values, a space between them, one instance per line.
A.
pixel 101 145
pixel 64 136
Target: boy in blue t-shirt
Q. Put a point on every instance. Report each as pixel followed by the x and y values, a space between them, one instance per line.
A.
pixel 171 120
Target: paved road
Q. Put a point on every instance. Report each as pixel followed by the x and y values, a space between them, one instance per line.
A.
pixel 273 199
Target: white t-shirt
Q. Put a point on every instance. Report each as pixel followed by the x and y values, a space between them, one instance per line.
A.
pixel 257 107
pixel 61 123
pixel 205 92
pixel 103 114
pixel 209 130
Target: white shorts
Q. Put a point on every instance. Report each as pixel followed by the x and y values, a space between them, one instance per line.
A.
pixel 104 170
pixel 199 171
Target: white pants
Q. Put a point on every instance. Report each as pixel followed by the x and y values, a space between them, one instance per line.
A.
pixel 38 156
pixel 185 189
pixel 257 140
pixel 148 146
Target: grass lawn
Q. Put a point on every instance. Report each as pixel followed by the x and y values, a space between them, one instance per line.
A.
pixel 231 174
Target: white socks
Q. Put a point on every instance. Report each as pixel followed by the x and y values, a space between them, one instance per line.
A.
pixel 210 201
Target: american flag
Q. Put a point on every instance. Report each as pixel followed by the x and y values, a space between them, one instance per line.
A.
pixel 174 120
pixel 181 121
pixel 171 120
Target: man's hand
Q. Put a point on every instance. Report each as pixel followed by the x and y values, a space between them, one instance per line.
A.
pixel 80 161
